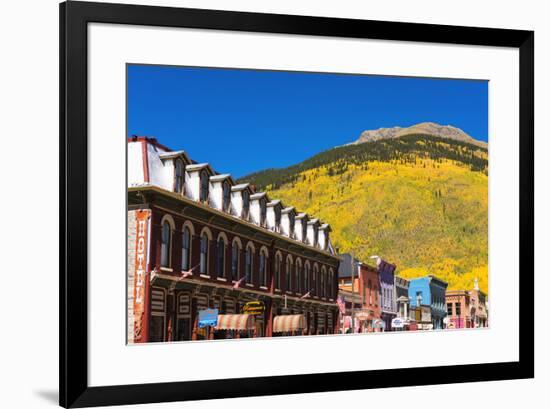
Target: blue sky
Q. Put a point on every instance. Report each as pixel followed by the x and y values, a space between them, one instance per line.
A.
pixel 242 121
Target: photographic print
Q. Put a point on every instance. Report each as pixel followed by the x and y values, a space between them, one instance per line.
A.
pixel 275 203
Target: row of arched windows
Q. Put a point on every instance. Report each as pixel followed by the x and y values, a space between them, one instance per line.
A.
pixel 298 277
pixel 301 279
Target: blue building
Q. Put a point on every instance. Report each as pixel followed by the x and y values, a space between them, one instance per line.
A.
pixel 429 292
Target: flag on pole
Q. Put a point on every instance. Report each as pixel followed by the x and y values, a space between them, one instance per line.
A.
pixel 341 304
pixel 238 283
pixel 185 274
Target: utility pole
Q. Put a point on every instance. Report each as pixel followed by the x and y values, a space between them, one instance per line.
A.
pixel 355 264
pixel 352 323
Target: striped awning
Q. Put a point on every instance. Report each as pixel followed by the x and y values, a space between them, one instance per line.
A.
pixel 238 322
pixel 287 323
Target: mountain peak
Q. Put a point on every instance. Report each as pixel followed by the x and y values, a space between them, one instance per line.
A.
pixel 428 128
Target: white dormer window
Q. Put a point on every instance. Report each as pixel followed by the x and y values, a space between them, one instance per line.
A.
pixel 277 219
pixel 315 235
pixel 258 210
pixel 179 177
pixel 313 232
pixel 226 197
pixel 287 221
pixel 263 212
pixel 204 187
pixel 246 205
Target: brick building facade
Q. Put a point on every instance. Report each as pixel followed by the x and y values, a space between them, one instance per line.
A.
pixel 267 269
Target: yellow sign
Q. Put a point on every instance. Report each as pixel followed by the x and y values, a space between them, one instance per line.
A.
pixel 254 308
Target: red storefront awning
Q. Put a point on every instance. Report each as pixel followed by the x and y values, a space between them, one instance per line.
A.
pixel 237 322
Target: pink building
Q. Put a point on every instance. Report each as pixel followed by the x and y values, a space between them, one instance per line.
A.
pixel 467 309
pixel 458 309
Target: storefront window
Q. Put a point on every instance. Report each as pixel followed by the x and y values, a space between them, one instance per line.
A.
pixel 156 329
pixel 183 329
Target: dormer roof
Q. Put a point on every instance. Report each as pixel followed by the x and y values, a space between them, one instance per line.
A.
pixel 241 186
pixel 258 195
pixel 195 167
pixel 175 154
pixel 289 209
pixel 221 178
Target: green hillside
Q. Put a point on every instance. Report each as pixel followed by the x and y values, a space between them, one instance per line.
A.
pixel 418 201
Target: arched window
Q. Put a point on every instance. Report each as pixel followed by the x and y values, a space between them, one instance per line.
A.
pixel 186 249
pixel 298 276
pixel 204 253
pixel 226 197
pixel 179 180
pixel 263 212
pixel 248 264
pixel 220 257
pixel 165 244
pixel 322 290
pixel 204 186
pixel 288 273
pixel 331 283
pixel 315 279
pixel 263 267
pixel 235 252
pixel 246 205
pixel 278 264
pixel 307 277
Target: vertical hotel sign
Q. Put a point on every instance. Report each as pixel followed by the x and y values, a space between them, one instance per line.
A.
pixel 142 222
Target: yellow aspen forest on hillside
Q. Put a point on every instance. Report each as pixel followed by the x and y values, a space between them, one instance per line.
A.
pixel 428 217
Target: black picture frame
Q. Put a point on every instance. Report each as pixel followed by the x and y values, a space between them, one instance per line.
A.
pixel 73 257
